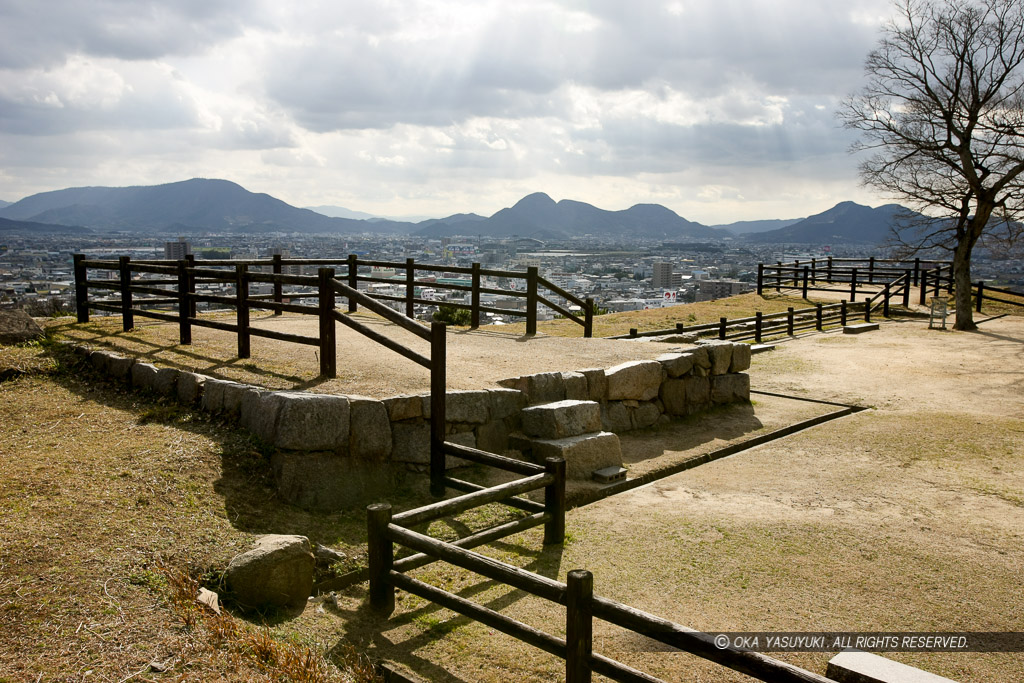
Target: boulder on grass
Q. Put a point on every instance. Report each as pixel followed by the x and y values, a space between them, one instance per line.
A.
pixel 277 573
pixel 18 327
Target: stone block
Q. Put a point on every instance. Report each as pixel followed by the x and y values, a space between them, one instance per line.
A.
pixel 100 360
pixel 583 454
pixel 410 442
pixel 369 429
pixel 855 666
pixel 730 388
pixel 676 364
pixel 233 394
pixel 544 387
pixel 326 482
pixel 638 380
pixel 213 394
pixel 311 422
pixel 120 368
pixel 404 407
pixel 506 403
pixel 645 415
pixel 190 388
pixel 278 572
pixel 492 437
pixel 673 396
pixel 561 419
pixel 467 406
pixel 258 413
pixel 740 358
pixel 575 386
pixel 698 393
pixel 597 383
pixel 719 353
pixel 166 381
pixel 701 361
pixel 860 328
pixel 144 376
pixel 18 327
pixel 615 417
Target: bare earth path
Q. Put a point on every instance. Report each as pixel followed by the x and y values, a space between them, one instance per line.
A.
pixel 906 517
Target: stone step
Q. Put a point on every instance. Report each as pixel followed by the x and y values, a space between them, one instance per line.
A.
pixel 561 419
pixel 859 328
pixel 583 453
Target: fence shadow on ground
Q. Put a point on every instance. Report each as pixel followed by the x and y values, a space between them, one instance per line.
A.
pixel 686 434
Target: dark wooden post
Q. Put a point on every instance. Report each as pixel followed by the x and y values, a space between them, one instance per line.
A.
pixel 814 271
pixel 531 300
pixel 885 301
pixel 723 323
pixel 853 285
pixel 842 313
pixel 949 282
pixel 242 308
pixel 829 271
pixel 632 332
pixel 438 361
pixel 127 316
pixel 867 309
pixel 924 287
pixel 806 275
pixel 353 280
pixel 906 288
pixel 980 296
pixel 778 276
pixel 190 263
pixel 760 279
pixel 679 328
pixel 871 270
pixel 410 288
pixel 554 502
pixel 81 288
pixel 758 324
pixel 819 323
pixel 588 319
pixel 380 558
pixel 328 330
pixel 917 272
pixel 474 313
pixel 184 304
pixel 796 272
pixel 579 624
pixel 789 321
pixel 278 285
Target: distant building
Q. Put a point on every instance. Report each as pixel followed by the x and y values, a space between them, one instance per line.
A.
pixel 708 290
pixel 175 251
pixel 663 276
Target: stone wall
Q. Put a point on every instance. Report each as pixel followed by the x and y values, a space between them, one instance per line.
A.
pixel 335 451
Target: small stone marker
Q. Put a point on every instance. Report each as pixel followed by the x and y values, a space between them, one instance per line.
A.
pixel 607 475
pixel 278 572
pixel 862 327
pixel 855 666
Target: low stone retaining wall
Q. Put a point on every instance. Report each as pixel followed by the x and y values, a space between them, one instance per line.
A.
pixel 335 451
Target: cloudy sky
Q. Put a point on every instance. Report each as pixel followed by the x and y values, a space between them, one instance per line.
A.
pixel 719 109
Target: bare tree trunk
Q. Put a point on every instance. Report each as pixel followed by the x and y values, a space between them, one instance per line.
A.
pixel 962 286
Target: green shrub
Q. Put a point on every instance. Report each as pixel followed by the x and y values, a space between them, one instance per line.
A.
pixel 453 316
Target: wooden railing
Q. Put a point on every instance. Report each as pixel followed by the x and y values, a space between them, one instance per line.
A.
pixel 982 292
pixel 856 275
pixel 385 574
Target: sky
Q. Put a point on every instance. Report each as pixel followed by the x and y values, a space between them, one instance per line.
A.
pixel 721 110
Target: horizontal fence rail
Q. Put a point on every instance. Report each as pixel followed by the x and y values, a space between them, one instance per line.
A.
pixel 856 275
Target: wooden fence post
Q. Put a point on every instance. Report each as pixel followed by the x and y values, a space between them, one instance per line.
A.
pixel 949 281
pixel 723 323
pixel 579 624
pixel 853 285
pixel 474 313
pixel 778 277
pixel 806 275
pixel 410 288
pixel 885 301
pixel 819 324
pixel 127 316
pixel 278 285
pixel 867 309
pixel 842 313
pixel 906 288
pixel 353 280
pixel 242 308
pixel 190 263
pixel 328 330
pixel 554 502
pixel 814 271
pixel 380 558
pixel 924 287
pixel 438 361
pixel 789 321
pixel 758 323
pixel 796 273
pixel 871 270
pixel 184 304
pixel 633 332
pixel 829 271
pixel 760 279
pixel 588 319
pixel 531 300
pixel 917 272
pixel 980 295
pixel 81 289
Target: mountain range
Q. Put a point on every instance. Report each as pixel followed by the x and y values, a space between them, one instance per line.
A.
pixel 209 205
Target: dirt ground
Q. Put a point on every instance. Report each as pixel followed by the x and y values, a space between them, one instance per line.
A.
pixel 905 517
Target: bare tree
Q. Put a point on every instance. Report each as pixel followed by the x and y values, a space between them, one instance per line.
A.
pixel 943 117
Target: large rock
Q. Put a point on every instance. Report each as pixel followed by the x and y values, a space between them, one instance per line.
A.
pixel 673 396
pixel 575 386
pixel 645 415
pixel 369 429
pixel 730 388
pixel 144 376
pixel 258 413
pixel 277 573
pixel 406 407
pixel 698 393
pixel 466 406
pixel 190 388
pixel 561 419
pixel 543 387
pixel 637 380
pixel 120 367
pixel 720 354
pixel 506 403
pixel 213 394
pixel 677 364
pixel 597 383
pixel 18 327
pixel 166 381
pixel 740 358
pixel 311 422
pixel 615 417
pixel 583 454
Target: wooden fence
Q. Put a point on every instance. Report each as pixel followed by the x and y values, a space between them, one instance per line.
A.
pixel 385 574
pixel 983 292
pixel 857 275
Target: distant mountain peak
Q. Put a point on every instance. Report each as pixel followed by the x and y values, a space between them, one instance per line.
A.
pixel 537 200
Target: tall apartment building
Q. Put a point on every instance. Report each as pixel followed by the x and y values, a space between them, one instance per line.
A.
pixel 664 278
pixel 176 251
pixel 708 290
